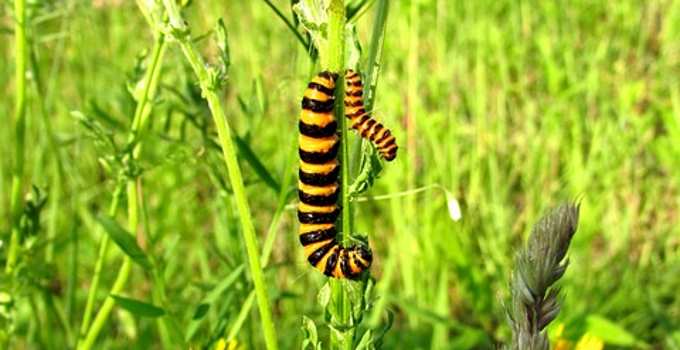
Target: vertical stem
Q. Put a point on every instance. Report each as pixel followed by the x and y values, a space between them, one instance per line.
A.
pixel 375 51
pixel 89 333
pixel 99 263
pixel 121 279
pixel 333 59
pixel 20 131
pixel 229 155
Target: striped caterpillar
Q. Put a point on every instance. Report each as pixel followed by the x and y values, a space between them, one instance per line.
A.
pixel 361 120
pixel 318 187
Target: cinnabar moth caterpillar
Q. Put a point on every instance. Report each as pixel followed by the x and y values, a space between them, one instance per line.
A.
pixel 362 121
pixel 318 187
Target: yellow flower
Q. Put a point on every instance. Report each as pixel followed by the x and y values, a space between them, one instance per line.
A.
pixel 589 342
pixel 224 345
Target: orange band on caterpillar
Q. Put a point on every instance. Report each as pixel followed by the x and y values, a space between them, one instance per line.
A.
pixel 362 121
pixel 318 187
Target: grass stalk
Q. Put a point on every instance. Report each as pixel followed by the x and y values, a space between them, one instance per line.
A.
pixel 21 53
pixel 535 301
pixel 198 65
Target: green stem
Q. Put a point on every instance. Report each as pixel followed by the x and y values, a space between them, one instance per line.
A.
pixel 290 25
pixel 268 243
pixel 333 59
pixel 20 132
pixel 375 51
pixel 99 263
pixel 123 273
pixel 88 334
pixel 229 154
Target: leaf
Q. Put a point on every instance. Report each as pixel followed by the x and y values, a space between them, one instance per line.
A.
pixel 125 241
pixel 207 302
pixel 138 307
pixel 310 333
pixel 200 311
pixel 102 136
pixel 366 342
pixel 369 169
pixel 247 153
pixel 609 332
pixel 352 47
pixel 324 296
pixel 314 18
pixel 223 44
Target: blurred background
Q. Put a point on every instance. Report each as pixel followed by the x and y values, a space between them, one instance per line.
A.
pixel 511 106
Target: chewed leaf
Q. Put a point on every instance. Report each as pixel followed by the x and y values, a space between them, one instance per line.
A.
pixel 310 333
pixel 453 206
pixel 369 169
pixel 352 47
pixel 313 17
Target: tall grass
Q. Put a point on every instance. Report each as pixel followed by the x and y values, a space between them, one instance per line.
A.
pixel 16 199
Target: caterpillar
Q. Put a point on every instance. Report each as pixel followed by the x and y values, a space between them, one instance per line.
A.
pixel 318 187
pixel 361 120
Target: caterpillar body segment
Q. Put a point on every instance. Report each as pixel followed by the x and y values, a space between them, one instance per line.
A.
pixel 362 122
pixel 318 187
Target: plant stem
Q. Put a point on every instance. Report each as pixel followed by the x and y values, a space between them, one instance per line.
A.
pixel 99 263
pixel 333 59
pixel 288 24
pixel 140 120
pixel 375 51
pixel 123 273
pixel 229 155
pixel 20 132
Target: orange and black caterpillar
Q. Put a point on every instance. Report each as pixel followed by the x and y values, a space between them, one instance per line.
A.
pixel 318 187
pixel 361 120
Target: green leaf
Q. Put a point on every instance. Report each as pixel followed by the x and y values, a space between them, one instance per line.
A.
pixel 247 153
pixel 352 47
pixel 200 312
pixel 125 241
pixel 369 169
pixel 324 296
pixel 609 332
pixel 311 335
pixel 204 305
pixel 314 19
pixel 366 342
pixel 138 307
pixel 223 44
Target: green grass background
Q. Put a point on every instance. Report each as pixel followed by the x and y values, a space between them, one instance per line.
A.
pixel 513 106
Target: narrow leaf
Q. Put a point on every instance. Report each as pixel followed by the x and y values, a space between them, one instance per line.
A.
pixel 125 241
pixel 138 307
pixel 247 153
